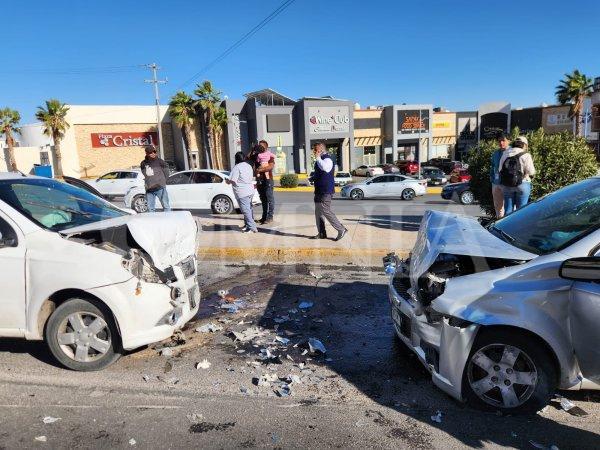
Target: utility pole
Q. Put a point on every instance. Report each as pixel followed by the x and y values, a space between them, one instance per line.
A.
pixel 155 81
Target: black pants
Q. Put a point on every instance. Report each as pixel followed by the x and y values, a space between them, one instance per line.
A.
pixel 265 191
pixel 323 211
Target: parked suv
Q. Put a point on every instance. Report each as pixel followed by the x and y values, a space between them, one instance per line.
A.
pixel 494 312
pixel 87 277
pixel 408 167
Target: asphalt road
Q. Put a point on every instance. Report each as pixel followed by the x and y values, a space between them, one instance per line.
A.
pixel 367 391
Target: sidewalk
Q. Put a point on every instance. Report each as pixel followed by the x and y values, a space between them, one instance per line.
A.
pixel 287 241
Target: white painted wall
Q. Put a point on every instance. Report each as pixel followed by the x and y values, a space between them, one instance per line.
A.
pixel 25 157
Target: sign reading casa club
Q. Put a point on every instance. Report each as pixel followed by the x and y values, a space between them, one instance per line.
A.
pixel 102 140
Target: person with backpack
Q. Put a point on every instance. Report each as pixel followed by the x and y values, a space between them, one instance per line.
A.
pixel 516 170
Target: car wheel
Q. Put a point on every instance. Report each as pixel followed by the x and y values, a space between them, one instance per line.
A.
pixel 139 204
pixel 467 198
pixel 509 372
pixel 82 336
pixel 353 173
pixel 408 194
pixel 357 194
pixel 222 204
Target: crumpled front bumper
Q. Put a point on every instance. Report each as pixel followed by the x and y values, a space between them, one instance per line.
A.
pixel 443 348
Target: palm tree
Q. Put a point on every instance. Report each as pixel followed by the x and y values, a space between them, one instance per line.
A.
pixel 54 119
pixel 218 122
pixel 9 119
pixel 182 111
pixel 573 89
pixel 206 104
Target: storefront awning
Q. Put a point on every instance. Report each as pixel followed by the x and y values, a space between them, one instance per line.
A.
pixel 444 140
pixel 367 141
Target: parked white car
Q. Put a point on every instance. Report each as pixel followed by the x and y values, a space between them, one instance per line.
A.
pixel 367 171
pixel 118 182
pixel 393 186
pixel 342 178
pixel 192 189
pixel 87 277
pixel 494 312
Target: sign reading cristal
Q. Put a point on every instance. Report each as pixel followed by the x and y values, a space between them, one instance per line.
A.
pixel 101 140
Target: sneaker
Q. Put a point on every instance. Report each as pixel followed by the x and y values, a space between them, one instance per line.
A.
pixel 248 230
pixel 244 228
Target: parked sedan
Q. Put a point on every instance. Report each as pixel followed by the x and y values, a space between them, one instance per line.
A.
pixel 459 193
pixel 367 171
pixel 435 176
pixel 493 312
pixel 446 164
pixel 88 278
pixel 389 168
pixel 118 182
pixel 342 178
pixel 394 186
pixel 460 176
pixel 192 189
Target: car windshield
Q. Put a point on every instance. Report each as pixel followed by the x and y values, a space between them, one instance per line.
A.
pixel 554 221
pixel 54 205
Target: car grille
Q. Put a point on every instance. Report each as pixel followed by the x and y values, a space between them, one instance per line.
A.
pixel 401 285
pixel 188 266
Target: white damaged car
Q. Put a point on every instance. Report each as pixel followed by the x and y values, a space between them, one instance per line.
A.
pixel 87 277
pixel 504 315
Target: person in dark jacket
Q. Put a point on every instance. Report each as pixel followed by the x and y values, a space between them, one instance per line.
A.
pixel 323 179
pixel 155 172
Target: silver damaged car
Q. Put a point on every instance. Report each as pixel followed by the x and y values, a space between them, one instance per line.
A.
pixel 504 314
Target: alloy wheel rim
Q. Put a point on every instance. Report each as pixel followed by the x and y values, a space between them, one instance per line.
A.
pixel 222 205
pixel 408 194
pixel 502 375
pixel 84 337
pixel 467 197
pixel 356 194
pixel 140 205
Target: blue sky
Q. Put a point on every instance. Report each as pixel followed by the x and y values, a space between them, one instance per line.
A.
pixel 455 54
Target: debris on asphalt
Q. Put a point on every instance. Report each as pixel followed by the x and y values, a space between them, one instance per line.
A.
pixel 244 390
pixel 209 328
pixel 179 338
pixel 49 419
pixel 168 367
pixel 292 378
pixel 438 417
pixel 315 345
pixel 571 407
pixel 194 417
pixel 132 442
pixel 41 438
pixel 283 391
pixel 167 352
pixel 542 446
pixel 265 380
pixel 305 305
pixel 204 364
pixel 282 340
pixel 248 334
pixel 146 378
pixel 281 319
pixel 315 276
pixel 234 306
pixel 171 380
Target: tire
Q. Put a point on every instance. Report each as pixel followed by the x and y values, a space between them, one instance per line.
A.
pixel 139 203
pixel 357 194
pixel 408 194
pixel 222 205
pixel 467 198
pixel 98 351
pixel 533 359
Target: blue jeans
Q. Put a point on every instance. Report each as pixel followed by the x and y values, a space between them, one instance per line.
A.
pixel 265 191
pixel 162 196
pixel 516 197
pixel 246 207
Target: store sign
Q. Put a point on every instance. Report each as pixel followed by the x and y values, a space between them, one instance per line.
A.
pixel 102 140
pixel 411 121
pixel 492 124
pixel 439 125
pixel 328 119
pixel 555 120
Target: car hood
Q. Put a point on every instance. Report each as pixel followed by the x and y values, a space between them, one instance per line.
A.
pixel 167 237
pixel 442 232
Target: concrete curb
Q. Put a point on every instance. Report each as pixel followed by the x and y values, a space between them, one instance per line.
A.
pixel 296 255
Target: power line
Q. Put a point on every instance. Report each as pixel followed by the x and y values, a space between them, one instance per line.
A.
pixel 239 42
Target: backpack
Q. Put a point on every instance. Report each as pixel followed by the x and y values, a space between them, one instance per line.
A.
pixel 511 173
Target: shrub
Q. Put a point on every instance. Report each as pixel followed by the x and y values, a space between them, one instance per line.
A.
pixel 289 180
pixel 559 159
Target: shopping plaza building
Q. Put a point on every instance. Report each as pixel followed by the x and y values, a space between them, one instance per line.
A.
pixel 101 138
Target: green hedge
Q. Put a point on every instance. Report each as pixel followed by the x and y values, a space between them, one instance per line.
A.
pixel 559 159
pixel 289 180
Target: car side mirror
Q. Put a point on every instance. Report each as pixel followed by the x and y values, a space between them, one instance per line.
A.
pixel 581 269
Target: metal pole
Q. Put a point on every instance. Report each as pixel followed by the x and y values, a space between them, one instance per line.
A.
pixel 155 81
pixel 419 148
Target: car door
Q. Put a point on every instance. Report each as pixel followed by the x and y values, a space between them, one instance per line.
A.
pixel 126 181
pixel 378 186
pixel 395 185
pixel 203 189
pixel 178 188
pixel 584 317
pixel 107 183
pixel 12 275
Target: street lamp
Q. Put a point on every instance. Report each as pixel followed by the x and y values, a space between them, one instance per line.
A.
pixel 419 146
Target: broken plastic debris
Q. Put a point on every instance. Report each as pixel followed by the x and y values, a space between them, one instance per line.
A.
pixel 284 390
pixel 316 345
pixel 571 407
pixel 167 351
pixel 438 417
pixel 315 276
pixel 204 364
pixel 132 442
pixel 222 293
pixel 281 319
pixel 41 438
pixel 265 379
pixel 305 305
pixel 209 328
pixel 542 446
pixel 50 419
pixel 146 378
pixel 282 340
pixel 293 378
pixel 248 334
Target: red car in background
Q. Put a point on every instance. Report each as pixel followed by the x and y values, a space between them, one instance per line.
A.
pixel 460 176
pixel 407 167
